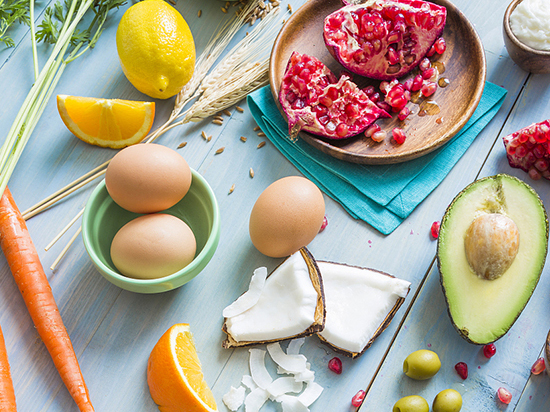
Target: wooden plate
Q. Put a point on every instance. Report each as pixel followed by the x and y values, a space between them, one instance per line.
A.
pixel 463 63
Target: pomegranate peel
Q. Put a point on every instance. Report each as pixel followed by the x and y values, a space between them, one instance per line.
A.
pixel 315 101
pixel 384 39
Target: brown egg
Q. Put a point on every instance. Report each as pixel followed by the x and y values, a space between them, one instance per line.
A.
pixel 153 246
pixel 147 178
pixel 286 216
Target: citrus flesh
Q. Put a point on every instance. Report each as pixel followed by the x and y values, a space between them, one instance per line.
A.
pixel 156 48
pixel 110 123
pixel 174 374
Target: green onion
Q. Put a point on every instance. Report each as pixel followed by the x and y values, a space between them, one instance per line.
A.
pixel 69 43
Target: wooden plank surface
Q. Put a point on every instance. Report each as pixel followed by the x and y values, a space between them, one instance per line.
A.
pixel 113 331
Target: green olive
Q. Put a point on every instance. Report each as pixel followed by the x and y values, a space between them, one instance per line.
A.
pixel 448 400
pixel 412 403
pixel 422 364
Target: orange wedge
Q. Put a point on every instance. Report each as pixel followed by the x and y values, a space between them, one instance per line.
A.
pixel 174 374
pixel 110 123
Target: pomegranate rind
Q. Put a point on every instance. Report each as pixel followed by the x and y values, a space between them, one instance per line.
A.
pixel 316 101
pixel 529 149
pixel 383 39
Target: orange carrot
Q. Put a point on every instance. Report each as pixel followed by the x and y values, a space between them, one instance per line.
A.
pixel 7 394
pixel 33 284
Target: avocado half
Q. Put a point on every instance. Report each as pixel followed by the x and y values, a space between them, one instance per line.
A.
pixel 482 307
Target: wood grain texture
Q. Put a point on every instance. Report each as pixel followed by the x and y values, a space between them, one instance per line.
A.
pixel 463 62
pixel 113 330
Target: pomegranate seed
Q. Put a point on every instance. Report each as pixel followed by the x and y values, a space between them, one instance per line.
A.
pixel 440 45
pixel 504 395
pixel 435 229
pixel 429 88
pixel 431 52
pixel 357 399
pixel 424 64
pixel 462 370
pixel 398 135
pixel 417 83
pixel 335 365
pixel 408 84
pixel 373 128
pixel 489 350
pixel 538 367
pixel 369 90
pixel 428 73
pixel 378 136
pixel 404 113
pixel 324 224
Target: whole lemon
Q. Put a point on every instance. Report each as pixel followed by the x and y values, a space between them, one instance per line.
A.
pixel 156 48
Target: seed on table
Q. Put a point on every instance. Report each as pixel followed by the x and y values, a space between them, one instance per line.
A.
pixel 261 134
pixel 239 109
pixel 243 139
pixel 199 13
pixel 218 117
pixel 257 128
pixel 203 134
pixel 231 188
pixel 253 21
pixel 182 144
pixel 289 7
pixel 251 172
pixel 261 144
pixel 217 121
pixel 224 9
pixel 220 150
pixel 262 4
pixel 209 138
pixel 226 112
pixel 275 3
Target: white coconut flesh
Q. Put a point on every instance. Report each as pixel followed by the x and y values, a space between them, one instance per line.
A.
pixel 284 307
pixel 358 301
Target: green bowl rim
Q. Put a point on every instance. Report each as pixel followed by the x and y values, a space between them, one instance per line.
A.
pixel 211 242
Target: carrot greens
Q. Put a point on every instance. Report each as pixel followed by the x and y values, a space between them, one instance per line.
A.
pixel 12 11
pixel 71 31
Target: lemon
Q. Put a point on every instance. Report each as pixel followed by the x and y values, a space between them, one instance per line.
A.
pixel 156 48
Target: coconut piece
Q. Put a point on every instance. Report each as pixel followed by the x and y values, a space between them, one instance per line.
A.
pixel 311 393
pixel 360 304
pixel 291 305
pixel 294 346
pixel 248 382
pixel 255 400
pixel 234 398
pixel 250 297
pixel 290 363
pixel 284 385
pixel 260 375
pixel 291 403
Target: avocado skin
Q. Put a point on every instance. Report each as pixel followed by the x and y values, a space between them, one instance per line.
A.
pixel 464 332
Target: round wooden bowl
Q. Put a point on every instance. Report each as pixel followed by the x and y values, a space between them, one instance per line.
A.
pixel 529 59
pixel 547 353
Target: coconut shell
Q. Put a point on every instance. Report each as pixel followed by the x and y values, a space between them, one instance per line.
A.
pixel 320 311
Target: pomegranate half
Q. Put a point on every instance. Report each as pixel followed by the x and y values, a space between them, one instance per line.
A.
pixel 383 39
pixel 316 101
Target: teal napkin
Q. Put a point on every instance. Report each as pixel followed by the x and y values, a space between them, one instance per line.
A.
pixel 381 195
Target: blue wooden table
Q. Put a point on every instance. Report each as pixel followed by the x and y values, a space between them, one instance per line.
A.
pixel 113 331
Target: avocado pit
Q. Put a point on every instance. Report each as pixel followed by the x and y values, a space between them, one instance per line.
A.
pixel 491 244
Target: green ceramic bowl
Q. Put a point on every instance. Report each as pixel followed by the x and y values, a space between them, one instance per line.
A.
pixel 103 218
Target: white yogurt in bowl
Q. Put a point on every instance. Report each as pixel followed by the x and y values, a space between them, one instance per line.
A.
pixel 530 23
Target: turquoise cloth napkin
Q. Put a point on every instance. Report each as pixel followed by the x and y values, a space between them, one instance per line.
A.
pixel 381 195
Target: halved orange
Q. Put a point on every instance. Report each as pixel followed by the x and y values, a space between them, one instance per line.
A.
pixel 110 123
pixel 174 374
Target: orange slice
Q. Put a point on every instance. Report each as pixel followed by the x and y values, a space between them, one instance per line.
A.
pixel 174 374
pixel 110 123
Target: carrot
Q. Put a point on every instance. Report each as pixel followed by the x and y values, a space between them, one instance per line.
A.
pixel 33 284
pixel 7 394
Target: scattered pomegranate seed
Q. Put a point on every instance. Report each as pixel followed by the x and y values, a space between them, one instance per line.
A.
pixel 504 395
pixel 462 370
pixel 424 64
pixel 538 367
pixel 335 365
pixel 357 399
pixel 325 224
pixel 440 45
pixel 429 88
pixel 435 229
pixel 404 113
pixel 378 136
pixel 373 128
pixel 398 135
pixel 489 350
pixel 428 73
